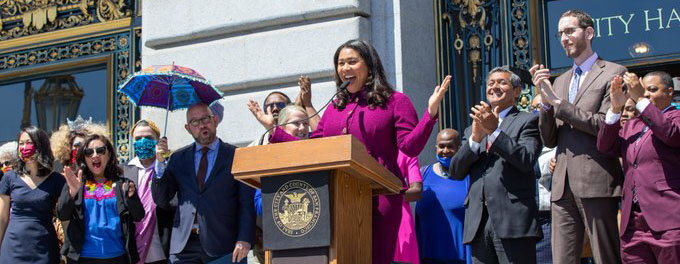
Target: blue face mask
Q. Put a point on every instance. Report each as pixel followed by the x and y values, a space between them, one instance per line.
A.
pixel 145 148
pixel 445 162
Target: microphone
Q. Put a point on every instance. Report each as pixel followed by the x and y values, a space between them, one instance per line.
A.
pixel 342 87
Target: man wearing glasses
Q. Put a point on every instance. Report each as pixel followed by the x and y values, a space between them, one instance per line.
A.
pixel 215 213
pixel 586 185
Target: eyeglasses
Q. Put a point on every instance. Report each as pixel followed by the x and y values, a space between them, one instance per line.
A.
pixel 77 144
pixel 204 120
pixel 279 105
pixel 568 31
pixel 90 152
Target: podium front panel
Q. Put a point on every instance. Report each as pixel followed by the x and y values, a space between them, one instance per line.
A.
pixel 296 211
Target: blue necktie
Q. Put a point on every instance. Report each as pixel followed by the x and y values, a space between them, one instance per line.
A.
pixel 573 89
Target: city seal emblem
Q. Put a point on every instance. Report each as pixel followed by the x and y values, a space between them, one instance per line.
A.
pixel 296 208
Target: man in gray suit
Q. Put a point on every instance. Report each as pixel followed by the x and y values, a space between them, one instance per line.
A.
pixel 586 184
pixel 498 152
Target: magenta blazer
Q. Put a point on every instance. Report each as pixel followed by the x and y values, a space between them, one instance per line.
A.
pixel 651 160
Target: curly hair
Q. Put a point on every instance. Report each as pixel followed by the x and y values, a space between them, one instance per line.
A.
pixel 62 140
pixel 378 90
pixel 112 171
pixel 43 154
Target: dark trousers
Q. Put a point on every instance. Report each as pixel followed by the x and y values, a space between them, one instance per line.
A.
pixel 487 248
pixel 192 253
pixel 543 246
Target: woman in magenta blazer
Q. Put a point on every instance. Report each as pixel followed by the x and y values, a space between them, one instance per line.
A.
pixel 382 119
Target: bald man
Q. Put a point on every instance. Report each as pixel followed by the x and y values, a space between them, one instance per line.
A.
pixel 440 212
pixel 215 213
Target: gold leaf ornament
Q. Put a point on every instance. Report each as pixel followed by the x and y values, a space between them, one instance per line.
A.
pixel 27 18
pixel 51 13
pixel 39 18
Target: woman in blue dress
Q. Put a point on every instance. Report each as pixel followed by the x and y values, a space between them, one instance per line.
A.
pixel 440 213
pixel 28 235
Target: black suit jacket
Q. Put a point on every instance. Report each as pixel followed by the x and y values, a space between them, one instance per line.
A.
pixel 224 208
pixel 503 178
pixel 163 215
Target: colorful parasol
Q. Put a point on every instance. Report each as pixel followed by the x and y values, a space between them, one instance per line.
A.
pixel 170 87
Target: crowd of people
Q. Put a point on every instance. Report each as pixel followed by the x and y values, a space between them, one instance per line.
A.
pixel 513 187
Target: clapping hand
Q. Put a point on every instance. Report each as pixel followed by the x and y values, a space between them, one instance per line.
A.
pixel 541 78
pixel 304 99
pixel 486 117
pixel 267 120
pixel 635 90
pixel 74 182
pixel 616 94
pixel 437 96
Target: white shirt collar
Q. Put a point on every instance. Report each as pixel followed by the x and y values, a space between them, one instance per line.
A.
pixel 503 114
pixel 136 162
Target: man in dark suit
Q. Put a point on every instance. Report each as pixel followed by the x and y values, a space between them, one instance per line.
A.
pixel 586 184
pixel 650 148
pixel 153 232
pixel 215 214
pixel 499 152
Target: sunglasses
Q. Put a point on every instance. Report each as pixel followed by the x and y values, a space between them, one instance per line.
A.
pixel 90 152
pixel 279 105
pixel 77 144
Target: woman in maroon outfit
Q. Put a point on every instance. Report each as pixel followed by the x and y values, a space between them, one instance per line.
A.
pixel 382 119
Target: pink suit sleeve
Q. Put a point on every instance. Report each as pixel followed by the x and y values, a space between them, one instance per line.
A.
pixel 409 167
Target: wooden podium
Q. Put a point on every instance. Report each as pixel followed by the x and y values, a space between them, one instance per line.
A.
pixel 316 198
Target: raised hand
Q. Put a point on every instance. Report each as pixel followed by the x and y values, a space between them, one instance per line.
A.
pixel 162 151
pixel 541 78
pixel 437 96
pixel 305 97
pixel 267 120
pixel 635 89
pixel 74 182
pixel 616 94
pixel 486 117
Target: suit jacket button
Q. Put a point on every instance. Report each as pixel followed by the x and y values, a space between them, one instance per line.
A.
pixel 344 130
pixel 635 165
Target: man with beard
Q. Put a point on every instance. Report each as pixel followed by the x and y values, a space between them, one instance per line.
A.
pixel 215 213
pixel 498 153
pixel 586 184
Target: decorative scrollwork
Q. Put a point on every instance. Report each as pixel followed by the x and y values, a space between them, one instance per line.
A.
pixel 19 18
pixel 521 57
pixel 108 10
pixel 469 9
pixel 118 45
pixel 54 54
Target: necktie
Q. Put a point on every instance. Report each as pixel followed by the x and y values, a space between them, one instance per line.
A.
pixel 573 89
pixel 202 169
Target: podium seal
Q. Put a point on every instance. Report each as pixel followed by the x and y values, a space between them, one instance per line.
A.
pixel 296 208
